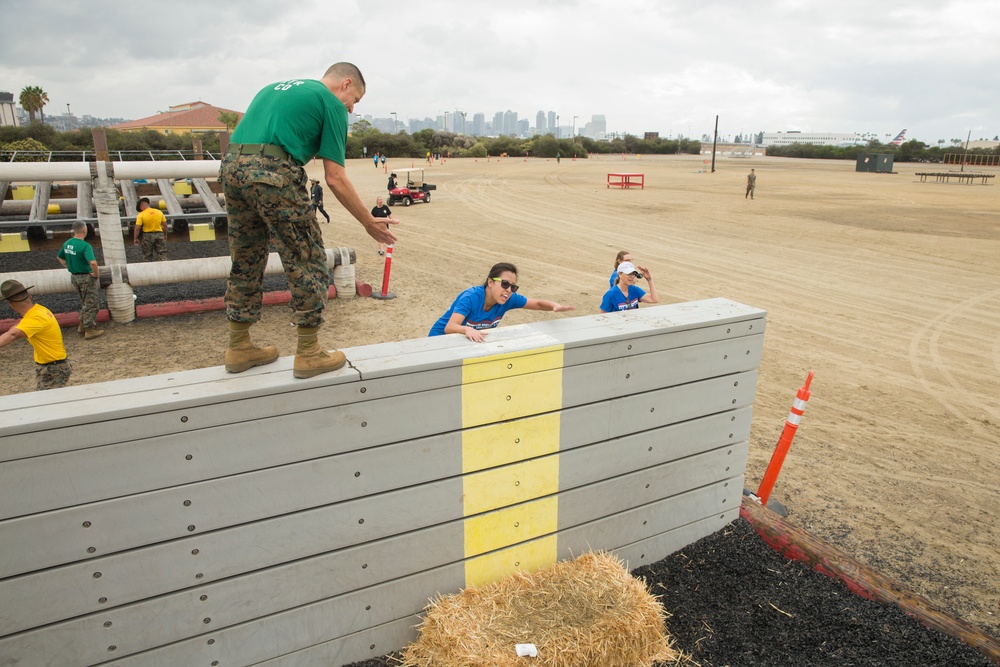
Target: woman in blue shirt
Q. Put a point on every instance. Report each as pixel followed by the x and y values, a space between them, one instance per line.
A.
pixel 622 256
pixel 626 295
pixel 482 307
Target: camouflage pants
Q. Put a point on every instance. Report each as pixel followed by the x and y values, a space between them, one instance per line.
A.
pixel 51 376
pixel 154 246
pixel 86 289
pixel 267 201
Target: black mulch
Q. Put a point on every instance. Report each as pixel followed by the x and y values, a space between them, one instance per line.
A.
pixel 38 260
pixel 734 601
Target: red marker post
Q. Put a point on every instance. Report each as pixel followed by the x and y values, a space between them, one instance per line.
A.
pixel 386 294
pixel 784 442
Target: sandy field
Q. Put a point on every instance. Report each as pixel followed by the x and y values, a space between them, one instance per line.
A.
pixel 887 288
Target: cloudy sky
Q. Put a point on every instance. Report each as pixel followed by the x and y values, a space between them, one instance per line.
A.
pixel 669 66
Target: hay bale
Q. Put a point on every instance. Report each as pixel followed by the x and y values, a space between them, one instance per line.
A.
pixel 587 611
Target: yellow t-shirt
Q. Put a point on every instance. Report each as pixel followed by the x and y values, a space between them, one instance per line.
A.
pixel 151 220
pixel 43 332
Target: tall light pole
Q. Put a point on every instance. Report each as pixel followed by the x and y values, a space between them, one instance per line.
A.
pixel 463 121
pixel 69 118
pixel 574 128
pixel 395 122
pixel 558 133
pixel 170 112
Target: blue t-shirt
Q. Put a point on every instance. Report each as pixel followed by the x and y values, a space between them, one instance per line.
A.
pixel 470 305
pixel 614 277
pixel 614 299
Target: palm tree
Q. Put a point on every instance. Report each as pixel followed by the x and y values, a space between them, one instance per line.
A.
pixel 230 119
pixel 33 99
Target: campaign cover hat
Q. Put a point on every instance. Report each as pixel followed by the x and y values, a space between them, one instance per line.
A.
pixel 11 288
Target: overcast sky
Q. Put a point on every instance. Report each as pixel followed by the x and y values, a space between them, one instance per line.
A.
pixel 668 66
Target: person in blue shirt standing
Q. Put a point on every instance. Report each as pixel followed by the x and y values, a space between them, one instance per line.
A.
pixel 622 256
pixel 482 307
pixel 626 295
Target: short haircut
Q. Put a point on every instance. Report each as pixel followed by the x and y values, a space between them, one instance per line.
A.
pixel 345 70
pixel 497 269
pixel 79 226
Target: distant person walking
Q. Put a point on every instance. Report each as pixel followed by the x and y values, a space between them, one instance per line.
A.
pixel 626 295
pixel 151 225
pixel 77 256
pixel 751 184
pixel 381 211
pixel 375 157
pixel 316 195
pixel 382 158
pixel 287 124
pixel 41 328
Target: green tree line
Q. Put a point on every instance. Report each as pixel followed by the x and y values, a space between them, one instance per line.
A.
pixel 910 151
pixel 363 141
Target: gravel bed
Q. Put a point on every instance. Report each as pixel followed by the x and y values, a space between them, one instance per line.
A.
pixel 734 601
pixel 38 260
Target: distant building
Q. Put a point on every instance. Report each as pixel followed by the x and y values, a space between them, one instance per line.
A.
pixel 597 128
pixel 817 138
pixel 8 113
pixel 540 122
pixel 479 124
pixel 193 117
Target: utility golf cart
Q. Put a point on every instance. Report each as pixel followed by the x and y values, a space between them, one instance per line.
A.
pixel 410 187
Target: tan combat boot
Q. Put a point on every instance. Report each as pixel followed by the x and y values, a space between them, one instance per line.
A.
pixel 92 333
pixel 80 329
pixel 310 360
pixel 242 353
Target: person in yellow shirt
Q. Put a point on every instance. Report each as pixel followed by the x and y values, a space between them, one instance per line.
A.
pixel 40 327
pixel 153 225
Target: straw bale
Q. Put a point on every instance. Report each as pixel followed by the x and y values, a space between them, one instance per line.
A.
pixel 586 611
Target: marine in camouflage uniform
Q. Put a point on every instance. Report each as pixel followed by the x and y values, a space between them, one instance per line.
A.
pixel 154 247
pixel 151 224
pixel 77 256
pixel 287 124
pixel 39 326
pixel 267 201
pixel 52 375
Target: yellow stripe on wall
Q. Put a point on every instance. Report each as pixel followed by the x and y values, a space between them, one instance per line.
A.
pixel 511 465
pixel 507 386
pixel 526 557
pixel 501 487
pixel 510 525
pixel 506 442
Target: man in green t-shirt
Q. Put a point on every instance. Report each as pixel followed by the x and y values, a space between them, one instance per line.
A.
pixel 77 256
pixel 286 125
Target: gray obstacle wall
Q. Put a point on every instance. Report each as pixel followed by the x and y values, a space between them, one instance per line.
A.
pixel 202 518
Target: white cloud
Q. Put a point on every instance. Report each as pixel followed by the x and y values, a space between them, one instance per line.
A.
pixel 646 65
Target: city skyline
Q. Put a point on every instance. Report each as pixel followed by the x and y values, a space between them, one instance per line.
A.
pixel 671 68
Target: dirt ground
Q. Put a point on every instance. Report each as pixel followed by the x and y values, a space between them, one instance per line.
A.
pixel 887 288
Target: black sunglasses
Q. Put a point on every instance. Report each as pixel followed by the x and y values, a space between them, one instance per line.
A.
pixel 506 284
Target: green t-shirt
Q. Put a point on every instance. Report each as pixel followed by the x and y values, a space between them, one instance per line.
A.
pixel 300 115
pixel 78 254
